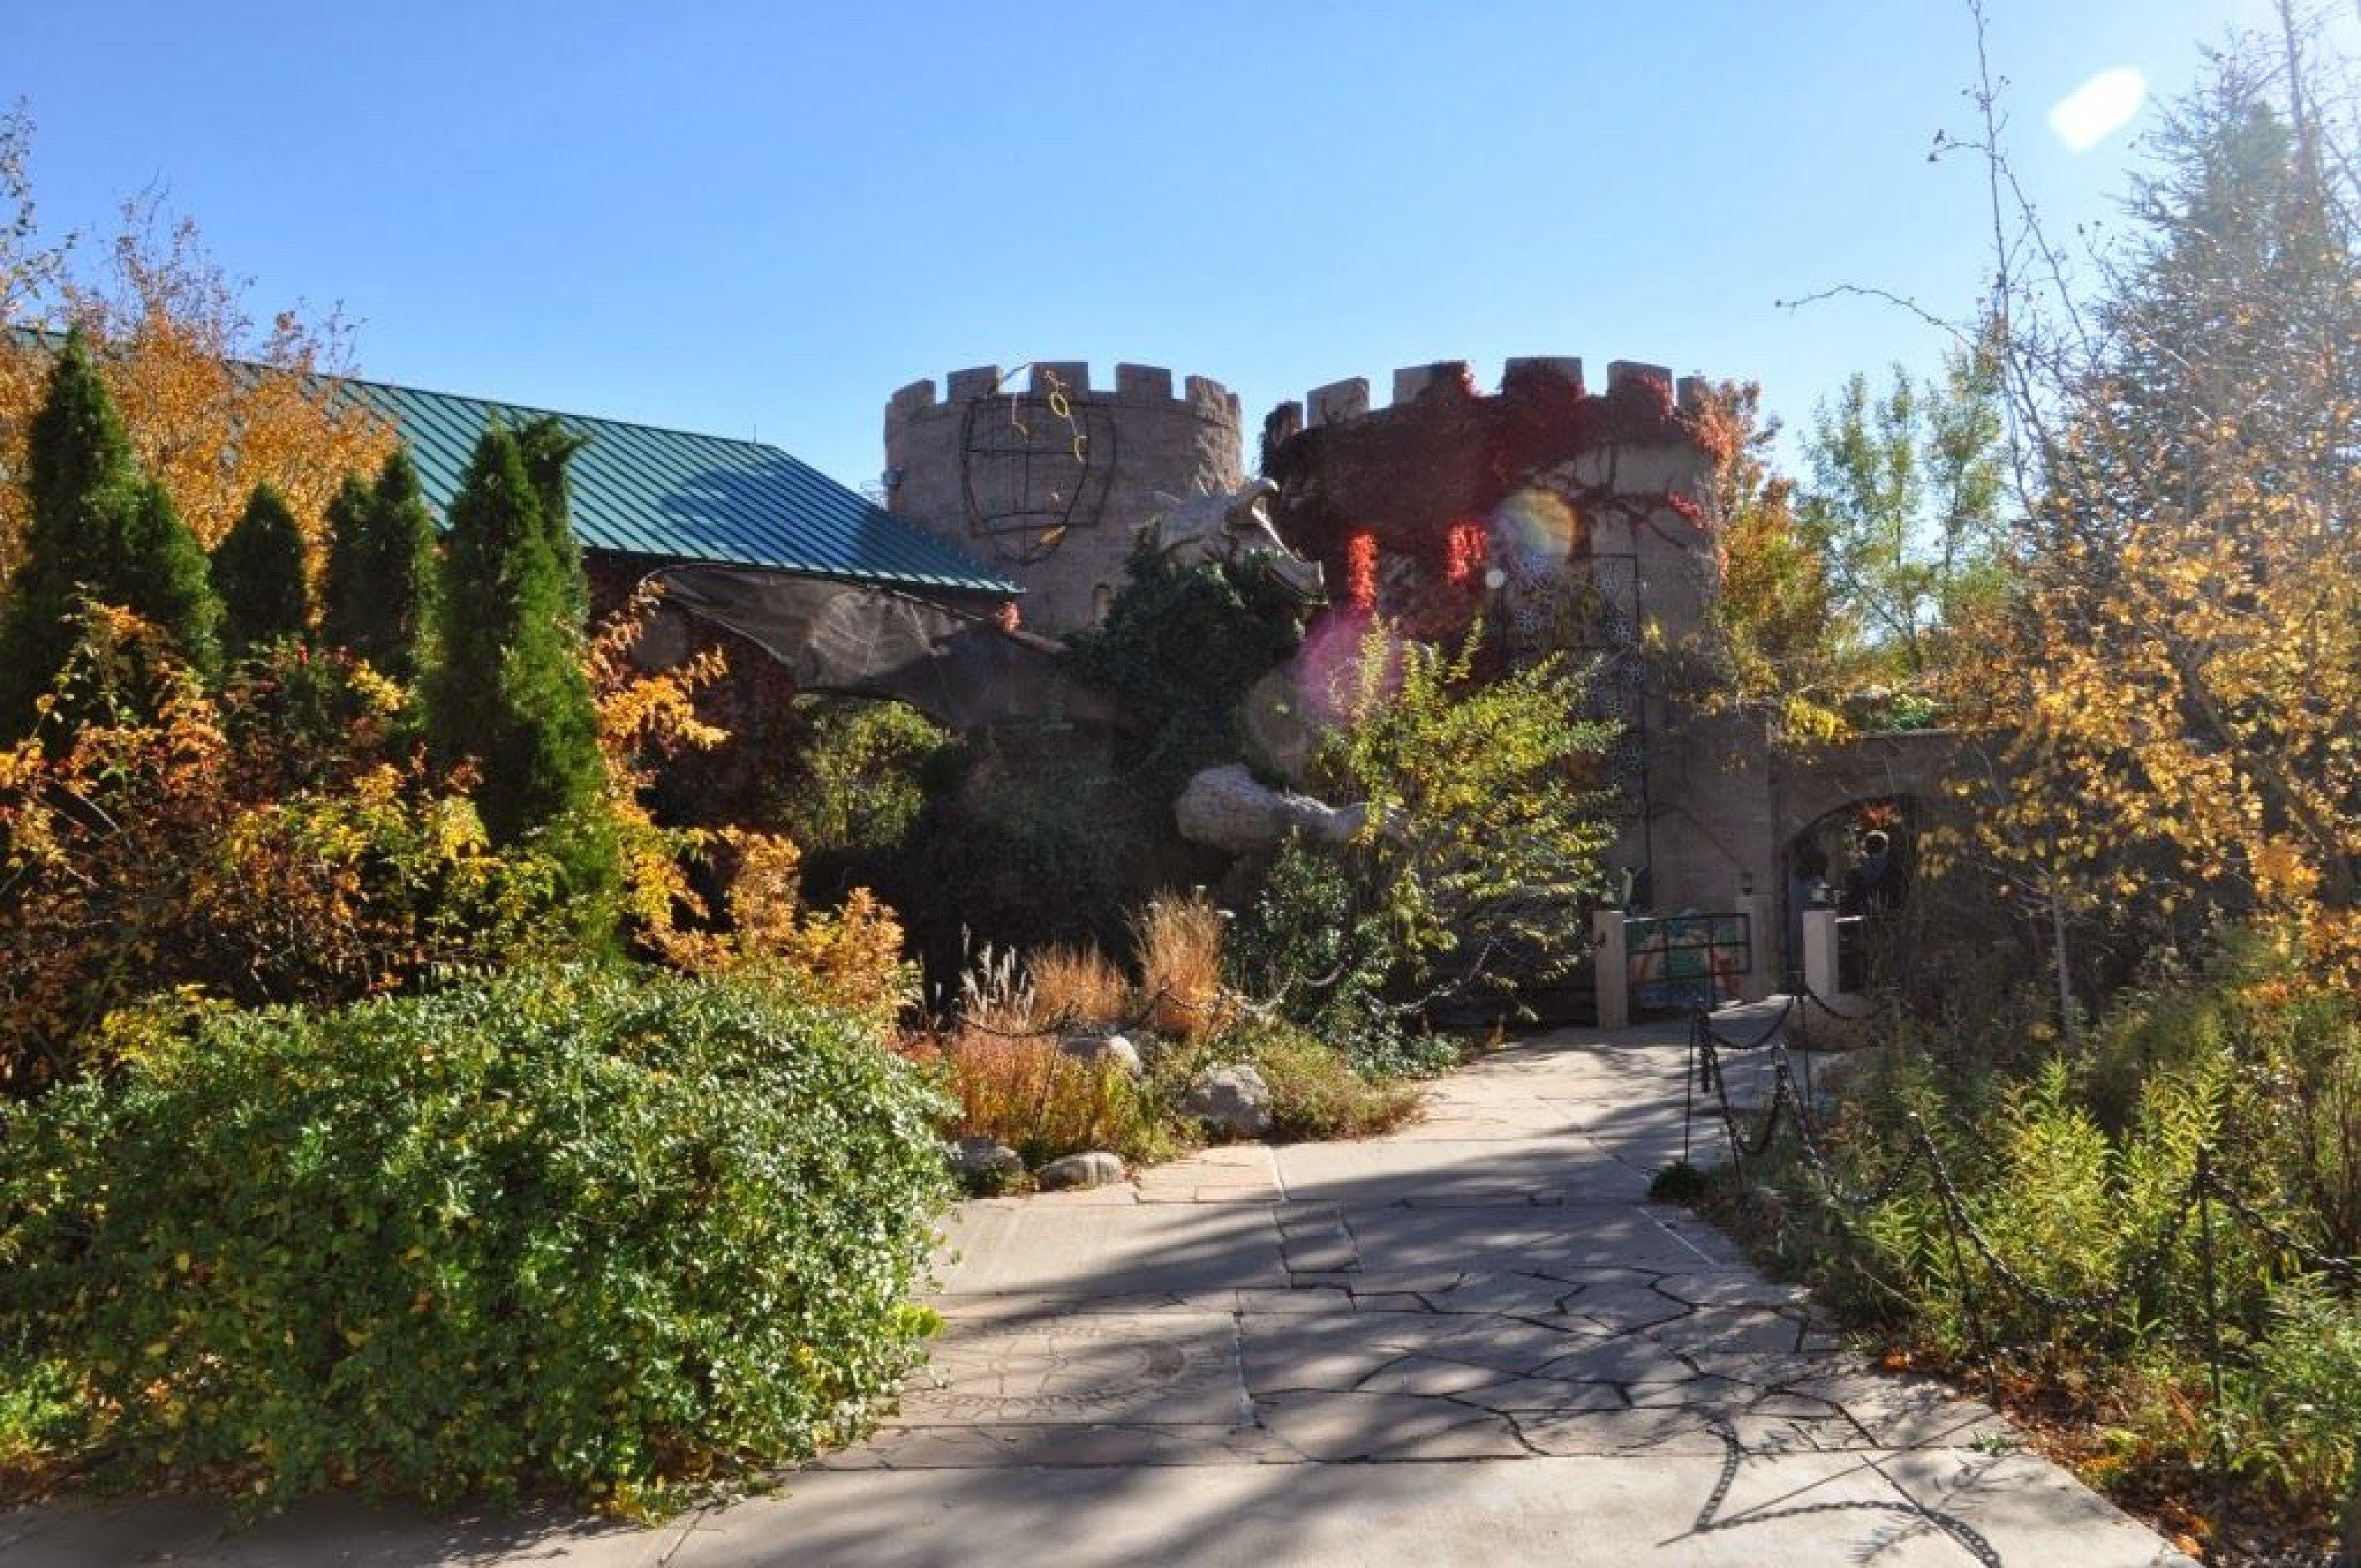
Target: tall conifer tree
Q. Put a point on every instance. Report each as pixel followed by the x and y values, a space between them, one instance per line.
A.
pixel 548 446
pixel 162 574
pixel 258 572
pixel 381 573
pixel 508 688
pixel 95 529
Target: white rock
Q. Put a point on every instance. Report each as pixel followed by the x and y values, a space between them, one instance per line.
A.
pixel 1102 1049
pixel 1228 809
pixel 1097 1169
pixel 1233 1100
pixel 980 1157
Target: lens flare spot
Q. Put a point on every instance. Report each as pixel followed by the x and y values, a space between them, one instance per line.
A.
pixel 1530 530
pixel 1349 666
pixel 2099 108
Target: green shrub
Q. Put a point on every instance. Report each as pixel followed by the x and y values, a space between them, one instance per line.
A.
pixel 1309 943
pixel 1487 818
pixel 2298 1410
pixel 1029 837
pixel 508 690
pixel 380 582
pixel 2072 1170
pixel 1316 1094
pixel 566 1229
pixel 856 782
pixel 258 570
pixel 39 1425
pixel 97 531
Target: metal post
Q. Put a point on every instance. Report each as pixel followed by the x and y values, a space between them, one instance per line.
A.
pixel 1688 1092
pixel 1761 946
pixel 1718 1081
pixel 2220 1448
pixel 1968 1308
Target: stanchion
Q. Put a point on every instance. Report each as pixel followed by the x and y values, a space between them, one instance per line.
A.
pixel 1688 1092
pixel 2217 1446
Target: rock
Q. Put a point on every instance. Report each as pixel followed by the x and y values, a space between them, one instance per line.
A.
pixel 1104 1049
pixel 983 1159
pixel 1097 1169
pixel 1233 1100
pixel 1228 809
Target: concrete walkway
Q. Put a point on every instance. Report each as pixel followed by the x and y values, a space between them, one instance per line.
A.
pixel 1473 1341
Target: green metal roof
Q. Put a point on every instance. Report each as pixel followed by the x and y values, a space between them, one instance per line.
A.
pixel 639 490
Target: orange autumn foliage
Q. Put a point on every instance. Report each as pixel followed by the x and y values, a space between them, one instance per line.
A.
pixel 849 958
pixel 236 847
pixel 214 403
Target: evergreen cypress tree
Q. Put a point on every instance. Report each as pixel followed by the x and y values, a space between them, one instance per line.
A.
pixel 508 687
pixel 380 568
pixel 548 446
pixel 163 575
pixel 258 572
pixel 95 529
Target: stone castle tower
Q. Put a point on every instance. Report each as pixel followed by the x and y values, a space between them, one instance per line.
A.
pixel 1051 482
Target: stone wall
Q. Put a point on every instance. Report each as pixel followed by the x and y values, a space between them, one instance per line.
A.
pixel 1593 514
pixel 1049 480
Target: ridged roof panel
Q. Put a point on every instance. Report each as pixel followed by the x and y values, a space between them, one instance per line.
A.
pixel 641 490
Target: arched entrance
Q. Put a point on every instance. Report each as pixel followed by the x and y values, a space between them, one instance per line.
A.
pixel 1860 858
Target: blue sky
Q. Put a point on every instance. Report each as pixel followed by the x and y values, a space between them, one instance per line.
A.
pixel 744 218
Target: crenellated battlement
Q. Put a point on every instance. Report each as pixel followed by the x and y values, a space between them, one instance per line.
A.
pixel 1135 386
pixel 1055 498
pixel 1340 402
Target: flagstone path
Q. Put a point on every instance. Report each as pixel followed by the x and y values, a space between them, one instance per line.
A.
pixel 1470 1342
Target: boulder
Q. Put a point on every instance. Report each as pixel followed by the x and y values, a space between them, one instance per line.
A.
pixel 1097 1169
pixel 1228 809
pixel 1104 1049
pixel 1232 1100
pixel 984 1160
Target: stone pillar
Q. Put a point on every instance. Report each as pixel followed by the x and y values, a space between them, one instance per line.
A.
pixel 1611 969
pixel 1820 952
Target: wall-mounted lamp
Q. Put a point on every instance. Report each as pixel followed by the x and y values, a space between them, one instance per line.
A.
pixel 1746 884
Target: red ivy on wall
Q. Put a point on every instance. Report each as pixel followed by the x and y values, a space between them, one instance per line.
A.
pixel 1466 556
pixel 1361 570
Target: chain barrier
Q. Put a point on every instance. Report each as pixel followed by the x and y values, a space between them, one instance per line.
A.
pixel 2345 1268
pixel 2205 1188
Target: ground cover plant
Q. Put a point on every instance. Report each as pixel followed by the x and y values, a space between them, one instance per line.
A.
pixel 1017 1053
pixel 2098 1311
pixel 578 1230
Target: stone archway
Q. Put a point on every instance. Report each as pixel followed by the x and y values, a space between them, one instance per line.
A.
pixel 1904 764
pixel 1832 795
